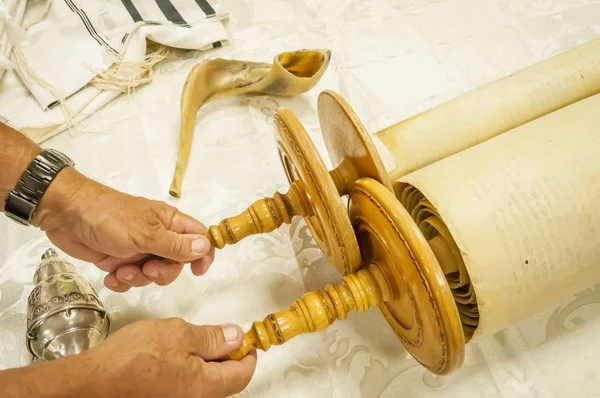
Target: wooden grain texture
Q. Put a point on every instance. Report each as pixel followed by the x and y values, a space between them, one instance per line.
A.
pixel 312 195
pixel 400 275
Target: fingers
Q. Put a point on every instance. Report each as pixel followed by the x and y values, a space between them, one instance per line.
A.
pixel 214 342
pixel 110 264
pixel 111 282
pixel 200 267
pixel 184 224
pixel 133 272
pixel 74 248
pixel 132 275
pixel 181 240
pixel 232 376
pixel 160 272
pixel 175 246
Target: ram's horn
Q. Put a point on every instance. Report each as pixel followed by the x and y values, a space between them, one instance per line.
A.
pixel 291 73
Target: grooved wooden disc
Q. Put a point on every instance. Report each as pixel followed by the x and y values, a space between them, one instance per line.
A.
pixel 346 138
pixel 422 313
pixel 327 218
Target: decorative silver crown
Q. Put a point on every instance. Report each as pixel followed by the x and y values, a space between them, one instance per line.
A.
pixel 64 313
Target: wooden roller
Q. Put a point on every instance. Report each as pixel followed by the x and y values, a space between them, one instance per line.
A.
pixel 518 215
pixel 400 275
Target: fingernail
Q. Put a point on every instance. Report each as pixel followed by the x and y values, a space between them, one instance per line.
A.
pixel 154 274
pixel 112 283
pixel 128 277
pixel 230 333
pixel 205 265
pixel 200 245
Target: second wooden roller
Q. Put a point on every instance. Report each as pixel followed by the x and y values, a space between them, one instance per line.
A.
pixel 460 123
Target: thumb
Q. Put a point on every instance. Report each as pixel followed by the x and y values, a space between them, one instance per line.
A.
pixel 215 342
pixel 178 247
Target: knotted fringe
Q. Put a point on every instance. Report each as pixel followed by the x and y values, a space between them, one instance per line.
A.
pixel 122 76
pixel 72 124
pixel 40 16
pixel 16 35
pixel 125 76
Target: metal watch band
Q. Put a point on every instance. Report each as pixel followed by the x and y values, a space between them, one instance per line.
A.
pixel 22 201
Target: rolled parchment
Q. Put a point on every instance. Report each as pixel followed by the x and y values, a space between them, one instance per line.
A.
pixel 523 213
pixel 490 110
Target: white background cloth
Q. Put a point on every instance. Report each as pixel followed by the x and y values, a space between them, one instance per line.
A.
pixel 390 59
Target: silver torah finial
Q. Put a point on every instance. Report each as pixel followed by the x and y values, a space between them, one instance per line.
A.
pixel 64 313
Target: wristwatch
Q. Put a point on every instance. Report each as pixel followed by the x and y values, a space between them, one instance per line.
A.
pixel 23 200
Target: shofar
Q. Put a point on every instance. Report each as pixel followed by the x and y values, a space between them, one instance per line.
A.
pixel 291 73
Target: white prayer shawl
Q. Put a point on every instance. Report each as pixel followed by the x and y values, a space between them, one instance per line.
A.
pixel 11 11
pixel 79 39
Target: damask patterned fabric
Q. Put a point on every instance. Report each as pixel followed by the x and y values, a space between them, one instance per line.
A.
pixel 390 59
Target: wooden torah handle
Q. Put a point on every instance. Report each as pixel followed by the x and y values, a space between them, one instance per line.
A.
pixel 263 216
pixel 318 310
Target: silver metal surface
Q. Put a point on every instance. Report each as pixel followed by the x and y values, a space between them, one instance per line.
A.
pixel 23 199
pixel 64 313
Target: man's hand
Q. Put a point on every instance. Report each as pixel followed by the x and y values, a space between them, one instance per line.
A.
pixel 168 358
pixel 149 358
pixel 121 234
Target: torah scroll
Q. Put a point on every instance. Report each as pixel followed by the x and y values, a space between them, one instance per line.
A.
pixel 521 216
pixel 492 109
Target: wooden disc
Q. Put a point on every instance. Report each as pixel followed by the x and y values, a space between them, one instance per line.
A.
pixel 422 313
pixel 346 138
pixel 327 218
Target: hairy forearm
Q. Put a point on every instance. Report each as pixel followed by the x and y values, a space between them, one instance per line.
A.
pixel 74 376
pixel 16 152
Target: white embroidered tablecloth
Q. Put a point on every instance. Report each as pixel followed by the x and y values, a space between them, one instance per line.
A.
pixel 390 59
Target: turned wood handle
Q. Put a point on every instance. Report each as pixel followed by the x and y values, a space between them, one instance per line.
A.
pixel 263 216
pixel 318 310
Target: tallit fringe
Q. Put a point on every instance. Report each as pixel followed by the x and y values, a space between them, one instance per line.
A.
pixel 125 76
pixel 26 70
pixel 122 76
pixel 40 16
